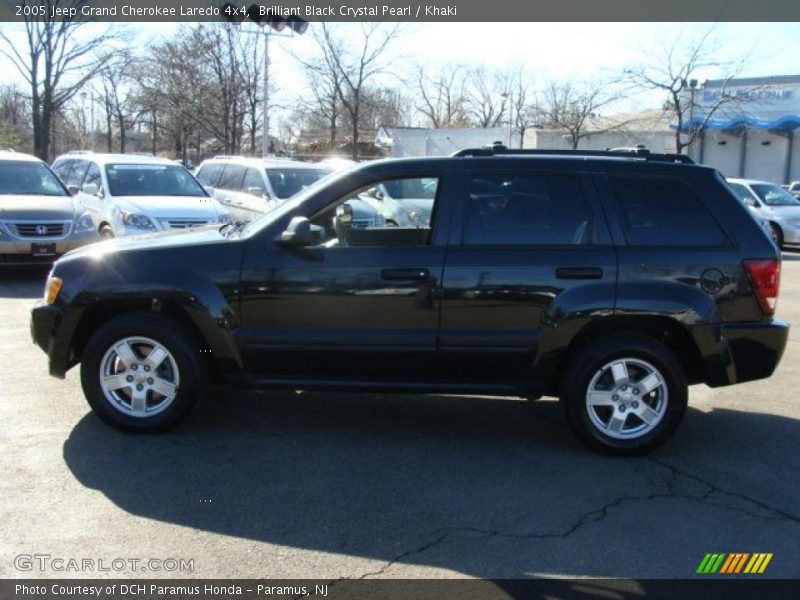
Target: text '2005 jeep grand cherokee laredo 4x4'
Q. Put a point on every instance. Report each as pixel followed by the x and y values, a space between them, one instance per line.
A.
pixel 610 279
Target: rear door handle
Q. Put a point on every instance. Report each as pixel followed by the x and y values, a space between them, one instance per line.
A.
pixel 405 274
pixel 579 273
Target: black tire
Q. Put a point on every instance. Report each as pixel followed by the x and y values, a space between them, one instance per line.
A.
pixel 106 233
pixel 778 233
pixel 184 351
pixel 589 362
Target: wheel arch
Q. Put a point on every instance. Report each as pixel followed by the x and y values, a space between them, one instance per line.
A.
pixel 673 335
pixel 217 346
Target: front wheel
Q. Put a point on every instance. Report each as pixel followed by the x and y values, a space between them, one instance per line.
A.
pixel 141 372
pixel 624 396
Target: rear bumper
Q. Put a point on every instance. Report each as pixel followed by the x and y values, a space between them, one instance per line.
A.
pixel 739 352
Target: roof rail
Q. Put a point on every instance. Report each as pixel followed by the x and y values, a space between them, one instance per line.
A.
pixel 641 153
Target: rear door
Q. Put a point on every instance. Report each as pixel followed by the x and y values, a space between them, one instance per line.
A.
pixel 254 196
pixel 530 261
pixel 229 191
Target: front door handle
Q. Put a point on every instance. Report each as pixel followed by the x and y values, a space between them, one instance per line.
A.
pixel 415 274
pixel 579 273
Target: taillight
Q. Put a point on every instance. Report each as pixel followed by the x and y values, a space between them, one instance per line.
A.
pixel 765 277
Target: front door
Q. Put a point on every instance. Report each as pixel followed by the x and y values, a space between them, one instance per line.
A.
pixel 362 304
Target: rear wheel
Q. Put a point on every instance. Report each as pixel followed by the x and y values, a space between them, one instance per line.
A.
pixel 141 372
pixel 624 395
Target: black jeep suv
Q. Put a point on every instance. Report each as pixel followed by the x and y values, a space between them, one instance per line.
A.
pixel 612 280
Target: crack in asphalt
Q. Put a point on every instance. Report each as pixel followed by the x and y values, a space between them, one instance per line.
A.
pixel 598 514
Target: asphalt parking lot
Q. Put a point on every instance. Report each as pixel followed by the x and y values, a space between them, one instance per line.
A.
pixel 290 485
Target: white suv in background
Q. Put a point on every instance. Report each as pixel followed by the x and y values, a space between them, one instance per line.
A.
pixel 249 187
pixel 129 194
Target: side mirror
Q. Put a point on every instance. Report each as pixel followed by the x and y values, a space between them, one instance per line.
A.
pixel 209 190
pixel 375 193
pixel 344 213
pixel 257 191
pixel 298 233
pixel 73 190
pixel 90 188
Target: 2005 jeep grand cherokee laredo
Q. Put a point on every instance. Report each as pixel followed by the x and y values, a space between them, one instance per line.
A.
pixel 612 280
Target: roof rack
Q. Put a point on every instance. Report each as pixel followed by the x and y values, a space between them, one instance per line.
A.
pixel 641 153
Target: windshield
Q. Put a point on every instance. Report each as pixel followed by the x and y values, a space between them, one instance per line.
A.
pixel 151 180
pixel 774 195
pixel 742 192
pixel 29 178
pixel 287 182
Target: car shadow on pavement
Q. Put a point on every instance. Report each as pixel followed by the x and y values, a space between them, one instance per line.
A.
pixel 483 487
pixel 23 282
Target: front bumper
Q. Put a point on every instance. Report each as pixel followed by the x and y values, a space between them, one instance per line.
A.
pixel 739 352
pixel 791 233
pixel 46 325
pixel 17 251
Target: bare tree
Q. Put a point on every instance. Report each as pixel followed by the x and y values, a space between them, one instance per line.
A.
pixel 357 62
pixel 115 82
pixel 441 96
pixel 672 68
pixel 57 59
pixel 487 96
pixel 573 106
pixel 323 105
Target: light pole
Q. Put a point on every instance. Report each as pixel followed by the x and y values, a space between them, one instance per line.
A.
pixel 277 23
pixel 510 98
pixel 692 90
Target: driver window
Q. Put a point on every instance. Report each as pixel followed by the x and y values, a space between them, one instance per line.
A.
pixel 394 212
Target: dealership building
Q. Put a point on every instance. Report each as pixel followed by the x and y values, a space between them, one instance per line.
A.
pixel 751 133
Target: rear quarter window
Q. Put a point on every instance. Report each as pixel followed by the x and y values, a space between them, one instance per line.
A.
pixel 664 212
pixel 209 174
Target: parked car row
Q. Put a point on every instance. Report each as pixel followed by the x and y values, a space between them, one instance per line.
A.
pixel 101 196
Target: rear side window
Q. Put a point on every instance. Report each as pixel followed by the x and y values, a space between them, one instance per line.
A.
pixel 663 212
pixel 76 174
pixel 546 209
pixel 208 174
pixel 62 168
pixel 93 175
pixel 232 178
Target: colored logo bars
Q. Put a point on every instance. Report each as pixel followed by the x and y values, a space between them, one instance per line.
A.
pixel 734 563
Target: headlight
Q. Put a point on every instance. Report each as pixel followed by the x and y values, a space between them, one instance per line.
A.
pixel 224 218
pixel 84 223
pixel 51 289
pixel 137 221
